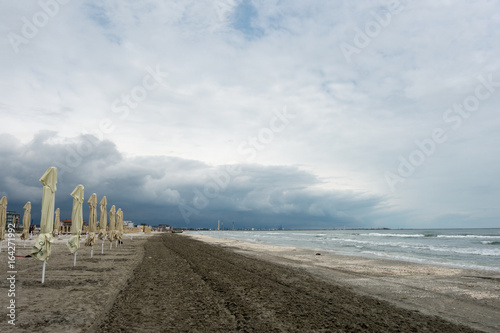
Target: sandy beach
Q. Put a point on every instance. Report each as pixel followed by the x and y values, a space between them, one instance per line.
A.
pixel 175 283
pixel 72 298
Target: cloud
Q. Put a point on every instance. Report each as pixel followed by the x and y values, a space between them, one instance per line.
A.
pixel 227 66
pixel 151 189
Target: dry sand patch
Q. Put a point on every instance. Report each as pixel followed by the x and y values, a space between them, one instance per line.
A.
pixel 71 298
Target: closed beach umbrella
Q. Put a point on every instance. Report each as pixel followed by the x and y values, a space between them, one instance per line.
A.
pixel 41 249
pixel 103 218
pixel 26 221
pixel 103 221
pixel 76 219
pixel 119 224
pixel 92 220
pixel 111 233
pixel 3 217
pixel 57 223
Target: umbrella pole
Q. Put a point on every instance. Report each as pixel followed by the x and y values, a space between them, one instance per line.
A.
pixel 1 243
pixel 102 247
pixel 43 271
pixel 24 243
pixel 74 259
pixel 116 245
pixel 91 251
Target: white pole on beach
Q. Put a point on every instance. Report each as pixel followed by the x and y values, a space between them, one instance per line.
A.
pixel 102 247
pixel 24 243
pixel 91 251
pixel 1 243
pixel 116 245
pixel 43 271
pixel 74 258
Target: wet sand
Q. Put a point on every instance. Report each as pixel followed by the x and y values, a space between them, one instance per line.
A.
pixel 184 285
pixel 173 283
pixel 468 297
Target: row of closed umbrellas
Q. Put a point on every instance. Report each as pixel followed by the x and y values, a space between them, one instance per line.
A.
pixel 50 227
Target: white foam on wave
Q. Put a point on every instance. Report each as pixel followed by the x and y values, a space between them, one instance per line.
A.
pixel 468 236
pixel 425 247
pixel 376 234
pixel 465 250
pixel 382 244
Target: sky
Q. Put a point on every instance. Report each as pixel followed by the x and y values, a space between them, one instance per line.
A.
pixel 265 113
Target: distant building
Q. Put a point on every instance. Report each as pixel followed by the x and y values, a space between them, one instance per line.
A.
pixel 65 226
pixel 164 227
pixel 13 218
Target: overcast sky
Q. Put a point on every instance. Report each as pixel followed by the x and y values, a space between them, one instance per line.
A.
pixel 298 113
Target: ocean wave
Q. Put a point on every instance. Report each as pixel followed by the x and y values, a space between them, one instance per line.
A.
pixel 430 261
pixel 473 251
pixel 426 247
pixel 382 244
pixel 376 234
pixel 490 243
pixel 468 236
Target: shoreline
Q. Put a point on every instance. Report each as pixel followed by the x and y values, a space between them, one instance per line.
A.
pixel 159 280
pixel 187 285
pixel 485 261
pixel 465 296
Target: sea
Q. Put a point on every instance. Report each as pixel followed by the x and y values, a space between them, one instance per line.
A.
pixel 459 248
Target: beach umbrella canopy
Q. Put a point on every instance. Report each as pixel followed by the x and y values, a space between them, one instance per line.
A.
pixel 92 220
pixel 3 217
pixel 26 221
pixel 119 224
pixel 111 234
pixel 57 222
pixel 103 217
pixel 41 249
pixel 76 219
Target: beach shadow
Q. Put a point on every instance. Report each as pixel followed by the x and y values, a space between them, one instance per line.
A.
pixel 58 284
pixel 84 268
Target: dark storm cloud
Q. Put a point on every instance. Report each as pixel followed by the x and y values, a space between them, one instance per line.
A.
pixel 160 189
